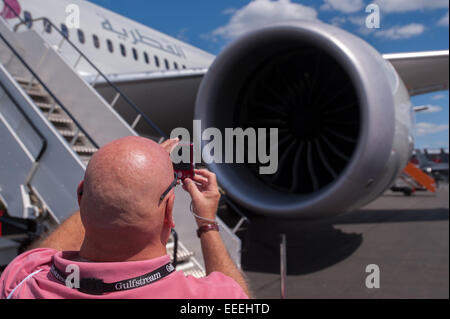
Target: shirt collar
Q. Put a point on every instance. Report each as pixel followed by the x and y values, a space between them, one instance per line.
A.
pixel 108 271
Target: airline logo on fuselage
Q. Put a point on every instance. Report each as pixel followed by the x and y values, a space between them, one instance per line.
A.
pixel 137 37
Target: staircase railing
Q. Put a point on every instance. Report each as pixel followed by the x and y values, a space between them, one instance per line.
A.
pixel 50 93
pixel 81 55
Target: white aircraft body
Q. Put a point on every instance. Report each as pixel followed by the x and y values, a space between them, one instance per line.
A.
pixel 113 42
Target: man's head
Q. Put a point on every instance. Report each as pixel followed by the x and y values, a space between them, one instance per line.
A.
pixel 120 205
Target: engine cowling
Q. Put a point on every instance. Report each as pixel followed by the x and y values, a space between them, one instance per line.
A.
pixel 343 114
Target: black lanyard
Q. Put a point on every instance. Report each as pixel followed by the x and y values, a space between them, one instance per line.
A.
pixel 95 286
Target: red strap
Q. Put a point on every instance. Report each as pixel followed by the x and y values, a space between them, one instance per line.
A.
pixel 207 227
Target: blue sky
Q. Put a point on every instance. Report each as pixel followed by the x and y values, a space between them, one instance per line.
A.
pixel 405 25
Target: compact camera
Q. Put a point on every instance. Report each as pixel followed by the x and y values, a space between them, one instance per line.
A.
pixel 185 170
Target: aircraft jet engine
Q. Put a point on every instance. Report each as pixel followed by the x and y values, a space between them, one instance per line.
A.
pixel 343 115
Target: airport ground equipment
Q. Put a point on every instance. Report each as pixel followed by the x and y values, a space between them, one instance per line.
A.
pixel 413 179
pixel 420 177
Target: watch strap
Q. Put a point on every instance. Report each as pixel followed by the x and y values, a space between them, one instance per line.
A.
pixel 207 227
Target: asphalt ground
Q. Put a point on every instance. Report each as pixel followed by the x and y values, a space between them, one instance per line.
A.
pixel 407 238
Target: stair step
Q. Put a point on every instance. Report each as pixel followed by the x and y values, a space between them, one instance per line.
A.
pixel 60 119
pixel 189 268
pixel 25 81
pixel 185 260
pixel 70 133
pixel 21 79
pixel 197 273
pixel 46 106
pixel 182 255
pixel 84 149
pixel 37 93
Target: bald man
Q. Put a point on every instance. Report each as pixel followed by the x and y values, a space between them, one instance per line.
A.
pixel 115 246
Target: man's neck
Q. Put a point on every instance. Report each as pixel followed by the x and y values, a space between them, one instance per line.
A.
pixel 94 253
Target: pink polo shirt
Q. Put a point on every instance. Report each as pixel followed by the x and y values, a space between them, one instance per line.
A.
pixel 28 276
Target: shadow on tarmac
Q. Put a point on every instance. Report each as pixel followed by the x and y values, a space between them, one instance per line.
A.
pixel 316 245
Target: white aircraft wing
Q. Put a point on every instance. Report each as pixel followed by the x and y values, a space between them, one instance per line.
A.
pixel 422 72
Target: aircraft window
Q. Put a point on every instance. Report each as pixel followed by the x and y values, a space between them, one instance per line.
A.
pixel 64 30
pixel 135 55
pixel 47 25
pixel 175 65
pixel 110 46
pixel 81 36
pixel 28 19
pixel 167 64
pixel 146 58
pixel 184 67
pixel 96 41
pixel 123 50
pixel 157 61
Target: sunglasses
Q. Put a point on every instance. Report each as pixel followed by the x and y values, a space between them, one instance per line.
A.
pixel 174 183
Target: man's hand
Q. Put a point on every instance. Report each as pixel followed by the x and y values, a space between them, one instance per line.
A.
pixel 204 193
pixel 205 200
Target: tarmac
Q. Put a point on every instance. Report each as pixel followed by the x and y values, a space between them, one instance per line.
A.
pixel 407 237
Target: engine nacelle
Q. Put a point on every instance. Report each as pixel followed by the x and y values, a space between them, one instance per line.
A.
pixel 343 114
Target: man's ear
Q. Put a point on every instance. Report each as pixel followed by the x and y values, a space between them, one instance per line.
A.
pixel 80 191
pixel 168 214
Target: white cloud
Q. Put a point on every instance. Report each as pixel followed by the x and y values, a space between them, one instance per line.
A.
pixel 425 128
pixel 401 32
pixel 360 22
pixel 182 34
pixel 356 20
pixel 410 5
pixel 345 6
pixel 438 97
pixel 259 13
pixel 229 11
pixel 338 21
pixel 431 108
pixel 443 21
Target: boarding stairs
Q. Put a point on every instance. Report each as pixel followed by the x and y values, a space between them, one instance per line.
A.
pixel 51 123
pixel 58 118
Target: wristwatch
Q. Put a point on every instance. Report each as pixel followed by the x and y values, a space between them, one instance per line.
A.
pixel 207 227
